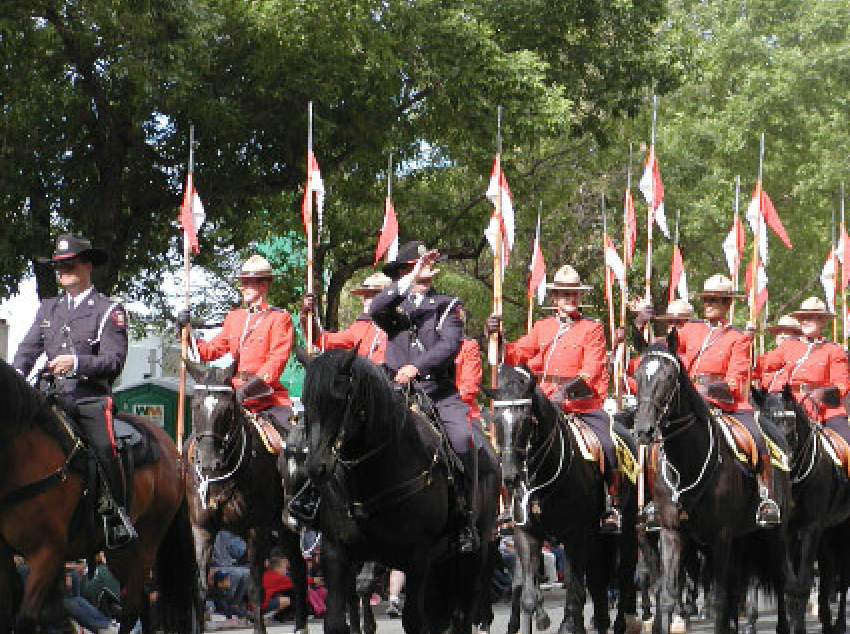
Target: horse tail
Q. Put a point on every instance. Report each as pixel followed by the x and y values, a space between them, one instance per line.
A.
pixel 179 605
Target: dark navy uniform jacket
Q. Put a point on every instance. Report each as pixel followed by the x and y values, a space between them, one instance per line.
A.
pixel 95 331
pixel 427 336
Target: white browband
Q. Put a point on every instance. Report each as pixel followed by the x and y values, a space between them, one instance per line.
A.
pixel 665 355
pixel 214 388
pixel 513 403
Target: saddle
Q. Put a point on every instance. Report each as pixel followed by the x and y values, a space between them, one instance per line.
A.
pixel 837 448
pixel 739 439
pixel 269 434
pixel 591 448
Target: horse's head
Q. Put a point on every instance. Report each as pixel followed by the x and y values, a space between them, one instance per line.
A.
pixel 782 410
pixel 214 412
pixel 512 418
pixel 327 399
pixel 658 383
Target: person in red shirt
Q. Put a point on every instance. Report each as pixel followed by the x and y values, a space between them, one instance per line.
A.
pixel 370 340
pixel 816 368
pixel 277 586
pixel 787 328
pixel 260 338
pixel 568 352
pixel 717 357
pixel 468 372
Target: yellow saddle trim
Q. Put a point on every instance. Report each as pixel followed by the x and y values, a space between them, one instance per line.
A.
pixel 724 424
pixel 778 458
pixel 626 460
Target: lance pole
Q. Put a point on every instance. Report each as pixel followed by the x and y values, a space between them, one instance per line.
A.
pixel 834 259
pixel 651 212
pixel 530 321
pixel 493 352
pixel 754 272
pixel 843 281
pixel 736 261
pixel 184 333
pixel 309 224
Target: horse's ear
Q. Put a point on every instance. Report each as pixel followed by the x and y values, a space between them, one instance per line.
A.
pixel 195 370
pixel 302 355
pixel 532 383
pixel 230 371
pixel 759 394
pixel 673 340
pixel 638 339
pixel 786 392
pixel 491 392
pixel 348 361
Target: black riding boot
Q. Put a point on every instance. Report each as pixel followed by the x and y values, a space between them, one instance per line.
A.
pixel 304 507
pixel 767 514
pixel 612 519
pixel 468 540
pixel 117 527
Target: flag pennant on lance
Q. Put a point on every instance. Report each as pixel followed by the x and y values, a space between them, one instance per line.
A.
pixel 653 190
pixel 502 220
pixel 192 214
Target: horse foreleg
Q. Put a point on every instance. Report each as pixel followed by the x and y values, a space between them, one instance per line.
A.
pixel 45 564
pixel 528 556
pixel 800 586
pixel 339 579
pixel 726 599
pixel 671 554
pixel 413 615
pixel 203 540
pixel 573 622
pixel 258 550
pixel 291 543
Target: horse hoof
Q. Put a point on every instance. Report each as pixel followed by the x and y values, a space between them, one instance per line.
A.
pixel 633 624
pixel 678 626
pixel 541 620
pixel 647 625
pixel 303 630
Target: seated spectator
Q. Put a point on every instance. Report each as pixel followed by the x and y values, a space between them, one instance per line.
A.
pixel 219 597
pixel 102 590
pixel 277 588
pixel 229 555
pixel 550 572
pixel 78 607
pixel 316 591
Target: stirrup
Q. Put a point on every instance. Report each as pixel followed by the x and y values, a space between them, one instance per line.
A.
pixel 611 521
pixel 648 516
pixel 468 540
pixel 118 530
pixel 768 514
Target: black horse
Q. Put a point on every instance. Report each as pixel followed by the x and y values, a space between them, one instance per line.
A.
pixel 387 495
pixel 703 492
pixel 234 484
pixel 821 498
pixel 556 492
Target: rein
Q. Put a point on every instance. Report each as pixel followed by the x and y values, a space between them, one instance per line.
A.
pixel 688 420
pixel 205 480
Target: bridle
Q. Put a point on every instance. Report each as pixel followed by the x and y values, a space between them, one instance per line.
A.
pixel 660 420
pixel 229 448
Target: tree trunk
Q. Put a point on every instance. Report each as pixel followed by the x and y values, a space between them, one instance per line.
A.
pixel 45 275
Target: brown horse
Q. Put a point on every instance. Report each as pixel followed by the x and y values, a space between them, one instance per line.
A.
pixel 45 518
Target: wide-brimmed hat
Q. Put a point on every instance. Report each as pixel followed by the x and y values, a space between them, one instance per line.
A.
pixel 718 286
pixel 813 307
pixel 372 285
pixel 677 310
pixel 407 254
pixel 567 279
pixel 256 268
pixel 787 325
pixel 69 245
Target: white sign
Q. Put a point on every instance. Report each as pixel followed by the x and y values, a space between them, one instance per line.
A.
pixel 152 411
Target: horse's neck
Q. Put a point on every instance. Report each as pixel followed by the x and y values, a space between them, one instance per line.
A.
pixel 545 437
pixel 688 448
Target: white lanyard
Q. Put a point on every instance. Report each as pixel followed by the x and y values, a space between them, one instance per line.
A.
pixel 707 342
pixel 245 330
pixel 562 328
pixel 802 360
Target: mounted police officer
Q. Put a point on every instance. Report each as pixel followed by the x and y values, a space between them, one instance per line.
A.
pixel 425 331
pixel 814 367
pixel 568 352
pixel 717 356
pixel 786 329
pixel 260 338
pixel 84 336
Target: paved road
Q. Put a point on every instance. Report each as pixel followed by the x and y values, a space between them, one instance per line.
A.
pixel 554 605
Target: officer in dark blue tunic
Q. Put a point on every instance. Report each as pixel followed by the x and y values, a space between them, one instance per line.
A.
pixel 424 334
pixel 84 336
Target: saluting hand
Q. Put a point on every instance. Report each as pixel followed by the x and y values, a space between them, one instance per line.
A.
pixel 63 364
pixel 406 374
pixel 424 267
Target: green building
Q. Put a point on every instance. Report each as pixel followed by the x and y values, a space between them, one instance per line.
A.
pixel 156 399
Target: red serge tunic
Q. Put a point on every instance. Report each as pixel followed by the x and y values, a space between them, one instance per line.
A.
pixel 561 349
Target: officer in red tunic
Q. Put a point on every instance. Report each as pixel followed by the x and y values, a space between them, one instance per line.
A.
pixel 84 336
pixel 717 356
pixel 568 352
pixel 260 337
pixel 468 373
pixel 816 368
pixel 787 328
pixel 370 340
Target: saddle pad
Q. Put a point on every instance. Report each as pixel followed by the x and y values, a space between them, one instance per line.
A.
pixel 739 439
pixel 626 459
pixel 126 433
pixel 588 443
pixel 268 434
pixel 779 457
pixel 837 448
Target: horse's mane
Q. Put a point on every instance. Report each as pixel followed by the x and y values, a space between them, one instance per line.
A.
pixel 21 405
pixel 372 391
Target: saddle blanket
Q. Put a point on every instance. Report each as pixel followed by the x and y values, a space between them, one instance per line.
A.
pixel 743 445
pixel 591 448
pixel 837 448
